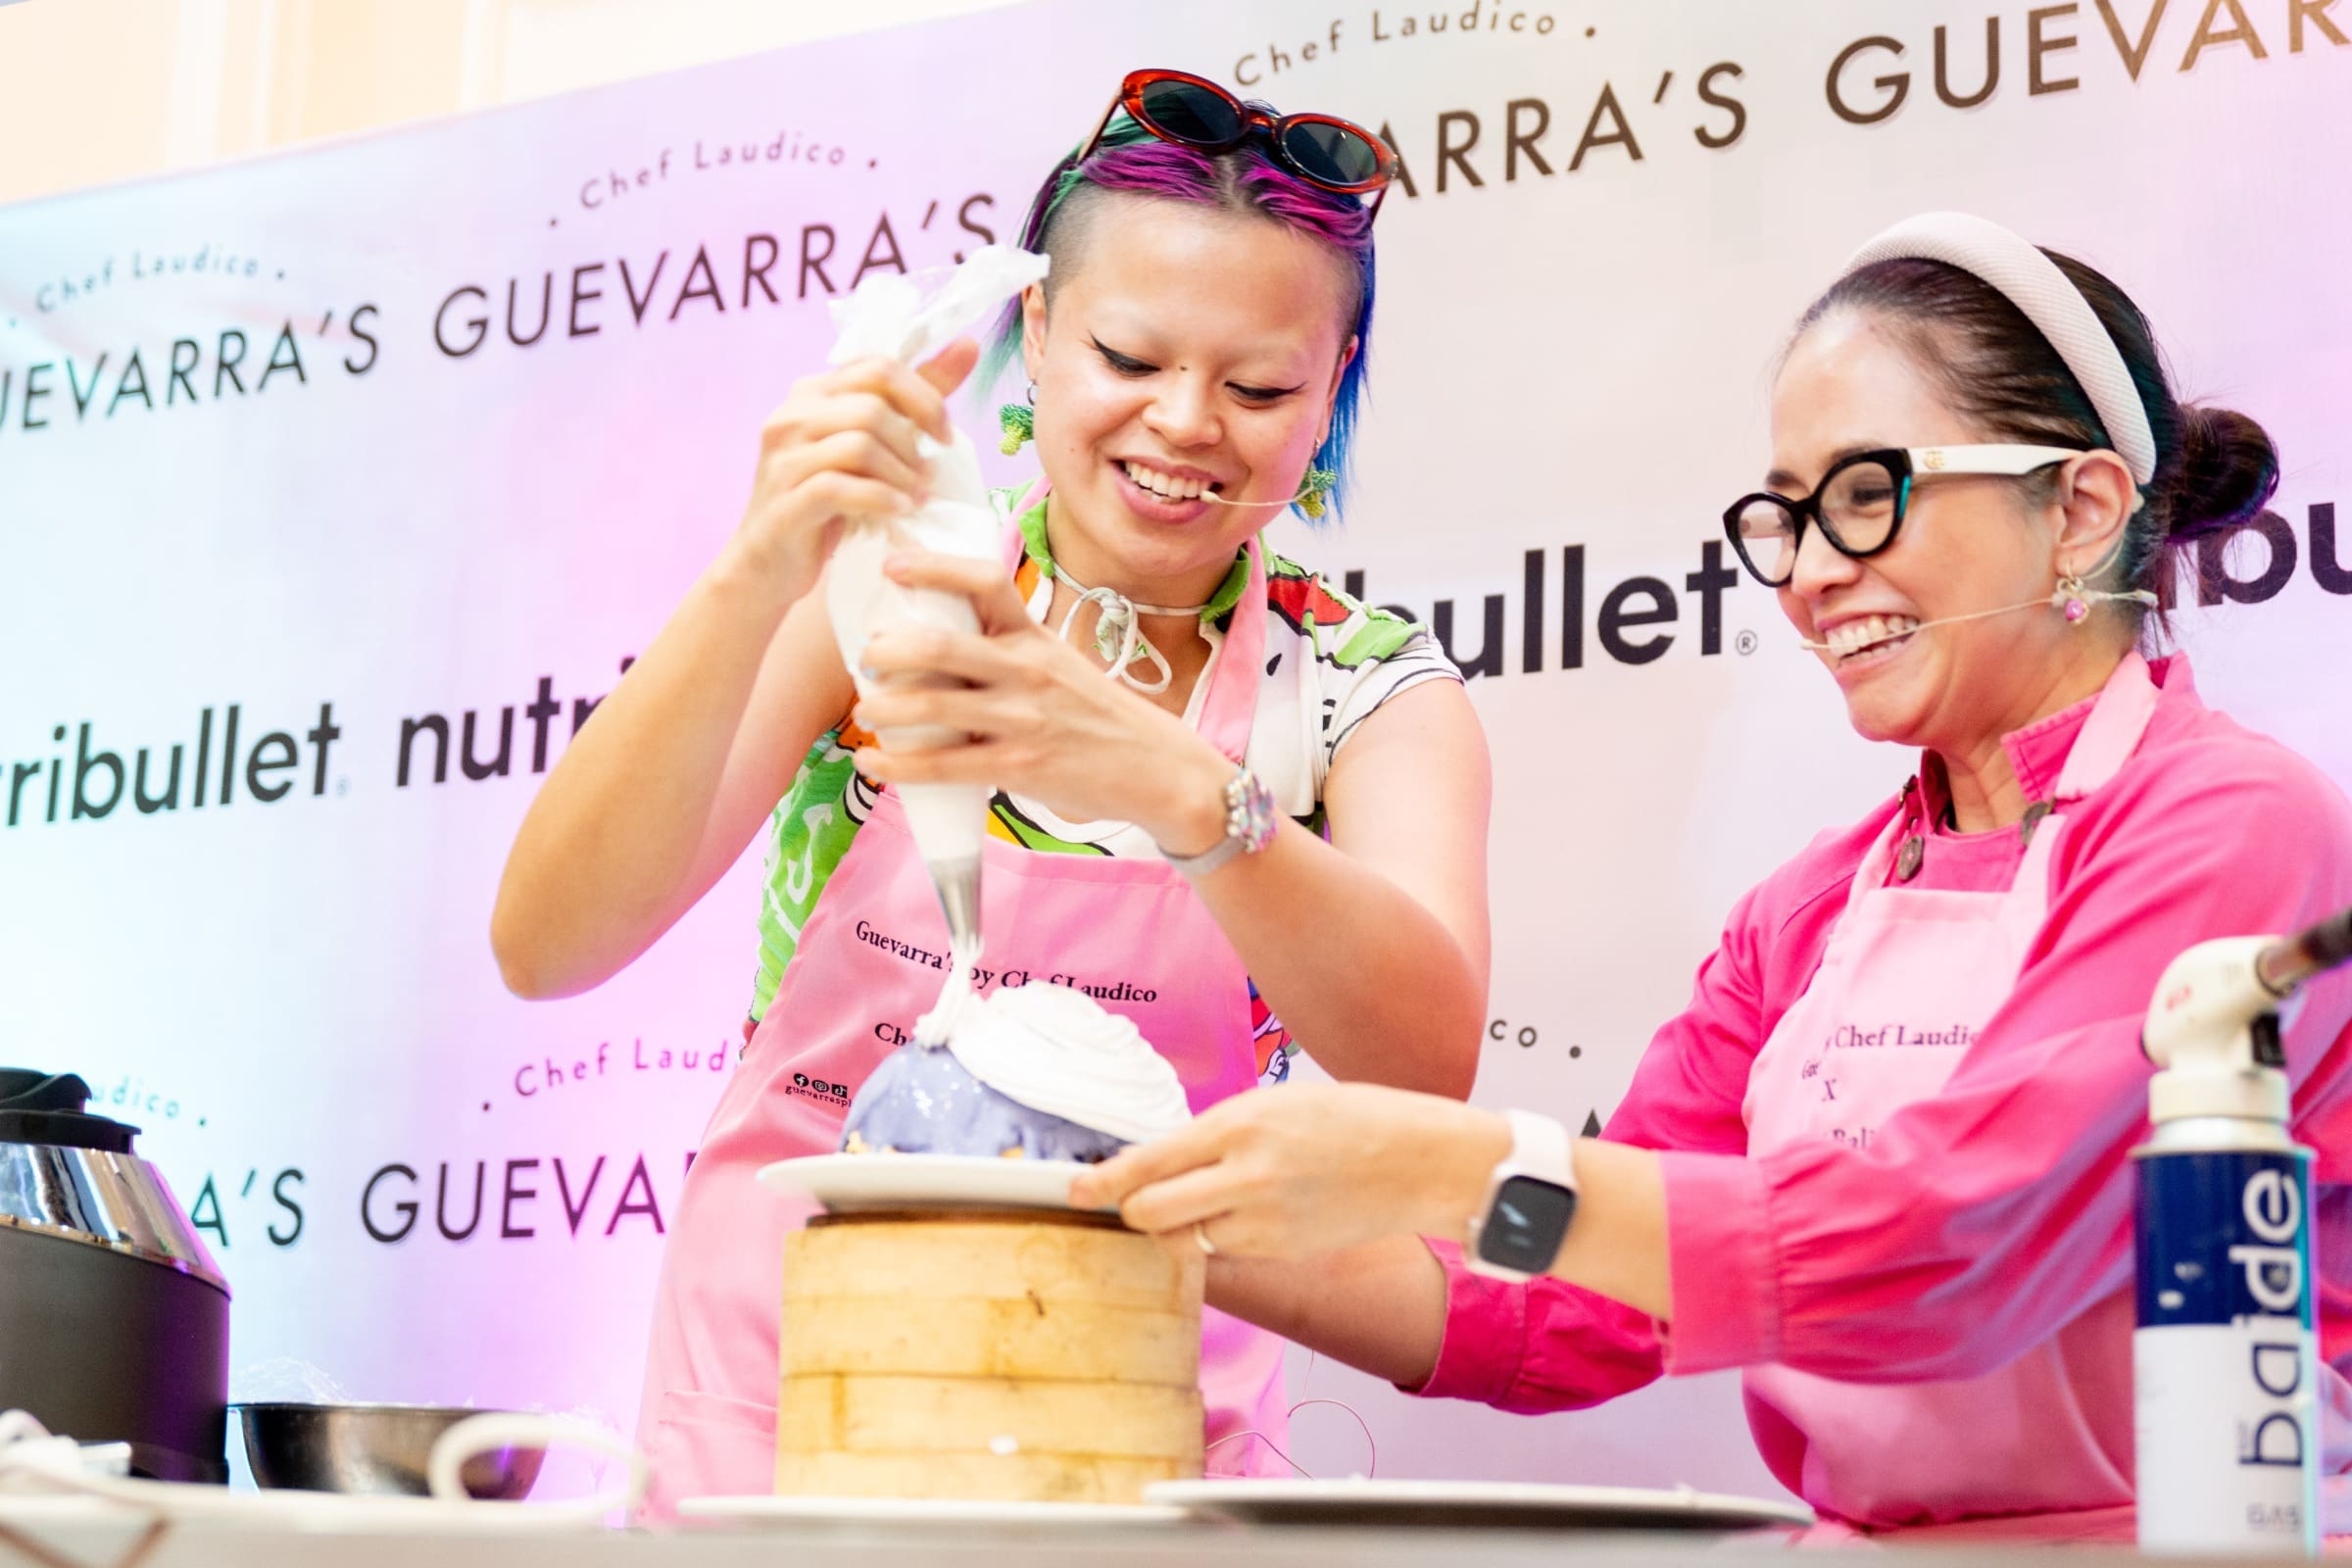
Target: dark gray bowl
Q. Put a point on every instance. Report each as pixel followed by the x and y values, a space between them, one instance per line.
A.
pixel 373 1448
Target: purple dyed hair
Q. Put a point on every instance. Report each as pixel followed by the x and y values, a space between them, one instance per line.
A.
pixel 1131 161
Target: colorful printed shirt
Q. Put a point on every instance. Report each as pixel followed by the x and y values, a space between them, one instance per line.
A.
pixel 1330 664
pixel 1982 1220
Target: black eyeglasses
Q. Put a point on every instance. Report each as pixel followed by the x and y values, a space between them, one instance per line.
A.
pixel 1860 503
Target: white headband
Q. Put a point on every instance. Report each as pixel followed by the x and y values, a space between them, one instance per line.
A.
pixel 2032 282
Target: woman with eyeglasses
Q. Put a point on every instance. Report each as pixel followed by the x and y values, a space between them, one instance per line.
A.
pixel 1242 808
pixel 1881 1162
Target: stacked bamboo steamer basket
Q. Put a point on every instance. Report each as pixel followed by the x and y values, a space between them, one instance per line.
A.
pixel 1029 1356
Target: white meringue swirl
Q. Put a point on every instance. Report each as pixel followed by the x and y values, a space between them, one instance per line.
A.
pixel 1055 1049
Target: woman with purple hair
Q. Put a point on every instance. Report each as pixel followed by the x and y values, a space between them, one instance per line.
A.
pixel 1230 802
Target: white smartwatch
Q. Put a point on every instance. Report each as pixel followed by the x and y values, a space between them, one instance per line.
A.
pixel 1531 1198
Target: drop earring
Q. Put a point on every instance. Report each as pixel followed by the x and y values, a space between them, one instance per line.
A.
pixel 2073 598
pixel 1018 421
pixel 1314 490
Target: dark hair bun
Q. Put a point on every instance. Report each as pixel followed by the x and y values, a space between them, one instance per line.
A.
pixel 2228 470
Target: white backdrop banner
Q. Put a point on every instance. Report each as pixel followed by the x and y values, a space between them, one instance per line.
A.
pixel 335 489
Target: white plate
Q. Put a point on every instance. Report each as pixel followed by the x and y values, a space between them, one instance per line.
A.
pixel 850 1182
pixel 1471 1504
pixel 769 1510
pixel 295 1511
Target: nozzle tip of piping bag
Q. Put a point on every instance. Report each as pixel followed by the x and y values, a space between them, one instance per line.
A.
pixel 958 885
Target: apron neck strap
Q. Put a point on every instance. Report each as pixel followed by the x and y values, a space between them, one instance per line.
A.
pixel 1016 540
pixel 2112 732
pixel 1232 703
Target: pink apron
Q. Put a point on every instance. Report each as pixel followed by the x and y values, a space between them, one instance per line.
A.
pixel 2051 1432
pixel 1131 927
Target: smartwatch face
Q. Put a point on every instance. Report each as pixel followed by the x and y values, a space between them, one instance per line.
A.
pixel 1524 1227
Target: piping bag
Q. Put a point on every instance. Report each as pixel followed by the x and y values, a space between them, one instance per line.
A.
pixel 911 319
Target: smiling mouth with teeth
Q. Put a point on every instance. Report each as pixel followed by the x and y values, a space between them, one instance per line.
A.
pixel 1870 633
pixel 1167 486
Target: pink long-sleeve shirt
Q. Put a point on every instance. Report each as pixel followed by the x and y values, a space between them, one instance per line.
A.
pixel 1980 1222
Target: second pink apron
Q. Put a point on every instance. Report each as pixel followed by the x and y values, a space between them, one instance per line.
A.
pixel 2051 1432
pixel 867 964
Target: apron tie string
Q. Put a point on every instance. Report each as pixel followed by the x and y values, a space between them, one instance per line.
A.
pixel 1119 639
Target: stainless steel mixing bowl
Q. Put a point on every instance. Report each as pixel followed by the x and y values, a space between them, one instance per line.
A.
pixel 373 1449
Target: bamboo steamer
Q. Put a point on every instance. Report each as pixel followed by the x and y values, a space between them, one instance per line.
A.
pixel 1030 1355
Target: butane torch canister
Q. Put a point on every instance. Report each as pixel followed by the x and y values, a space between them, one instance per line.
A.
pixel 2225 1359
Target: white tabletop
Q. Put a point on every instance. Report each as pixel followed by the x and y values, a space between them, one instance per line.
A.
pixel 94 1539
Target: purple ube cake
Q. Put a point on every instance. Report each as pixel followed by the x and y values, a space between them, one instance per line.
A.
pixel 1036 1073
pixel 922 1101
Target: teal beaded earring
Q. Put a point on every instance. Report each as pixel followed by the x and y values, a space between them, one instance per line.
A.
pixel 1019 424
pixel 1314 490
